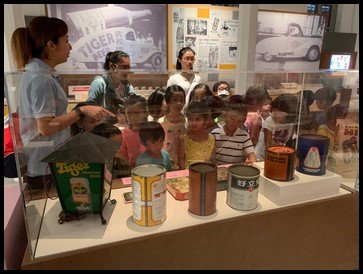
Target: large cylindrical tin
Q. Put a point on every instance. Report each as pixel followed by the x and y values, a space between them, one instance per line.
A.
pixel 279 163
pixel 202 188
pixel 243 183
pixel 148 195
pixel 312 152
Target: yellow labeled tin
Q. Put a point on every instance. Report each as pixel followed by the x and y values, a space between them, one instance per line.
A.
pixel 148 194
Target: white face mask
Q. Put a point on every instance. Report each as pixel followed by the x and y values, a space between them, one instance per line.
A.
pixel 223 92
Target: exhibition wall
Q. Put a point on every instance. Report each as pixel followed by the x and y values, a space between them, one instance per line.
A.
pixel 347 21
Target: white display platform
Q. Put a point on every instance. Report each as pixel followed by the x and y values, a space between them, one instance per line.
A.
pixel 301 188
pixel 56 238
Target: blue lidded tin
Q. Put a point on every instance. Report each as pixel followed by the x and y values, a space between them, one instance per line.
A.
pixel 312 152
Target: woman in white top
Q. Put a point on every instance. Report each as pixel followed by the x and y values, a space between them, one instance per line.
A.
pixel 186 79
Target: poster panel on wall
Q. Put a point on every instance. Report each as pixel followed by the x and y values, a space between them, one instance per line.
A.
pixel 96 29
pixel 288 41
pixel 210 31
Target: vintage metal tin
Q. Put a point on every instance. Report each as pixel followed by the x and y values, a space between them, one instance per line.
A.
pixel 148 195
pixel 312 152
pixel 280 163
pixel 202 188
pixel 243 183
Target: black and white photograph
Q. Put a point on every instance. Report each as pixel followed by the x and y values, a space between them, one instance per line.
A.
pixel 191 27
pixel 201 27
pixel 96 29
pixel 233 52
pixel 288 41
pixel 213 57
pixel 190 42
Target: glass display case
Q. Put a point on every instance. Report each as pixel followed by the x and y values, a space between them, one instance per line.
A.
pixel 344 162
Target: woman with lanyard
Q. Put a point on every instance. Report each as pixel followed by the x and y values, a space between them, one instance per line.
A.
pixel 110 89
pixel 43 116
pixel 187 79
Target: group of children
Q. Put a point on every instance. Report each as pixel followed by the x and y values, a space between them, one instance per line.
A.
pixel 165 130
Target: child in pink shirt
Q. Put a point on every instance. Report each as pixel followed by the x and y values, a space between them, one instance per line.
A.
pixel 136 113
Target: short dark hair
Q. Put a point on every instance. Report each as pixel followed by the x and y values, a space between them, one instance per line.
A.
pixel 326 94
pixel 216 85
pixel 287 103
pixel 197 108
pixel 106 129
pixel 172 89
pixel 255 95
pixel 155 100
pixel 307 96
pixel 151 131
pixel 205 87
pixel 215 105
pixel 236 103
pixel 133 99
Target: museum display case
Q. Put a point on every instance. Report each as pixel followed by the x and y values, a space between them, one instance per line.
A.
pixel 307 213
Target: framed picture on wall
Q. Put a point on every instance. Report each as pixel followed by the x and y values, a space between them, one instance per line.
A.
pixel 96 29
pixel 211 31
pixel 288 41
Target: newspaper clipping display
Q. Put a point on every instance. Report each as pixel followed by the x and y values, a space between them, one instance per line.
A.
pixel 210 32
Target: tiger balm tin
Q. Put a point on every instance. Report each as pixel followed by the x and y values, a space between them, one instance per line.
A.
pixel 148 194
pixel 279 163
pixel 312 153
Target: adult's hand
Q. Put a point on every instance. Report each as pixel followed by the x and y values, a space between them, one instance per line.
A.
pixel 95 112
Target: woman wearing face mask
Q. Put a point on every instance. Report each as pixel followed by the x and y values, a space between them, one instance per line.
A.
pixel 187 79
pixel 38 49
pixel 111 88
pixel 221 88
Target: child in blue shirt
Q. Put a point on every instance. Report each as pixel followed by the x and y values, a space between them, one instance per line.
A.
pixel 152 136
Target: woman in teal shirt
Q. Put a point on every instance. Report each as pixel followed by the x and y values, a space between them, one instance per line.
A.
pixel 109 90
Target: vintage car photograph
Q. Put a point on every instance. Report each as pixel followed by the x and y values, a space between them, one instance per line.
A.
pixel 292 44
pixel 283 36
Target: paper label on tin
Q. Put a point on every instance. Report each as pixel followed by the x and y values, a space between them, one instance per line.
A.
pixel 239 183
pixel 312 159
pixel 158 200
pixel 136 200
pixel 242 199
pixel 242 194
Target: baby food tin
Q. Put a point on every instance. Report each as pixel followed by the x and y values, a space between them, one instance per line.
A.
pixel 243 183
pixel 280 163
pixel 202 188
pixel 148 194
pixel 312 152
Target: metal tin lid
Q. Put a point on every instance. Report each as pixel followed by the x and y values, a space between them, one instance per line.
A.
pixel 148 170
pixel 202 167
pixel 242 170
pixel 281 150
pixel 314 137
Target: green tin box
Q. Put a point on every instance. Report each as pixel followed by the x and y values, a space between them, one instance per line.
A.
pixel 82 169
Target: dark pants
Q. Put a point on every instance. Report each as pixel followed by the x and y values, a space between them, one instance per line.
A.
pixel 38 181
pixel 10 170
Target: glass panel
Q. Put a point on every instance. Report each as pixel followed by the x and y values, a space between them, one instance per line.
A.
pixel 34 195
pixel 335 114
pixel 309 92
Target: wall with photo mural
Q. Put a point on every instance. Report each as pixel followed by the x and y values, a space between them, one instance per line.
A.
pixel 96 29
pixel 288 41
pixel 212 31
